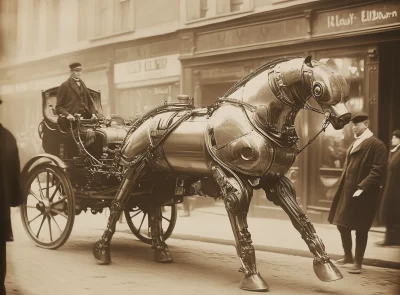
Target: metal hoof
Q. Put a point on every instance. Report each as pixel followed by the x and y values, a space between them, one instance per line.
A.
pixel 162 256
pixel 101 253
pixel 326 272
pixel 254 283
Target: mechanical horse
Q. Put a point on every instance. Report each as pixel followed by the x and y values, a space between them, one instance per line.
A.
pixel 245 141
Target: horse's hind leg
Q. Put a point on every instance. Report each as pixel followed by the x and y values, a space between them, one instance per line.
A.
pixel 161 252
pixel 283 194
pixel 101 249
pixel 237 196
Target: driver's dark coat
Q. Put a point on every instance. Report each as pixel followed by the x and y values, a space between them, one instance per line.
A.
pixel 70 97
pixel 10 190
pixel 364 169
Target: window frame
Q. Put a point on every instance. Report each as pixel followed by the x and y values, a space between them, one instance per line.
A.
pixel 110 21
pixel 248 7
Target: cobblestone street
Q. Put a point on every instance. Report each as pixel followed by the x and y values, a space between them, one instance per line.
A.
pixel 198 268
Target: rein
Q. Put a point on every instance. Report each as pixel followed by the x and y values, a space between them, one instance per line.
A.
pixel 323 128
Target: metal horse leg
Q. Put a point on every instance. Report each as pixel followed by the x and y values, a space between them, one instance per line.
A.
pixel 161 252
pixel 101 249
pixel 237 197
pixel 282 193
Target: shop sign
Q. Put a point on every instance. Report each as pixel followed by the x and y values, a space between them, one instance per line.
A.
pixel 355 18
pixel 147 69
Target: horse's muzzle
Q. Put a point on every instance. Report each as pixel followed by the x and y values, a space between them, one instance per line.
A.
pixel 340 122
pixel 339 116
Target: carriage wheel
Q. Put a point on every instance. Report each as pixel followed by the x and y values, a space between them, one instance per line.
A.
pixel 48 207
pixel 138 222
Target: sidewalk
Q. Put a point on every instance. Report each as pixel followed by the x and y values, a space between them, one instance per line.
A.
pixel 212 225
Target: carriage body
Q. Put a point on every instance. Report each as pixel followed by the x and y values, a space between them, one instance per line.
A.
pixel 75 176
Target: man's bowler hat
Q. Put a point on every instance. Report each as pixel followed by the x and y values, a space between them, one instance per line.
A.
pixel 359 117
pixel 75 66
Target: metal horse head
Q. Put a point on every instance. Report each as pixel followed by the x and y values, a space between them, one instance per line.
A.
pixel 279 89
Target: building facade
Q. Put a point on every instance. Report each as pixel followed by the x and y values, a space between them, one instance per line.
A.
pixel 140 55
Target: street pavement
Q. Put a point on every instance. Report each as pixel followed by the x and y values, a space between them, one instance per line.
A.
pixel 198 268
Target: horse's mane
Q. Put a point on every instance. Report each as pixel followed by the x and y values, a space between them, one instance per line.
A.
pixel 256 71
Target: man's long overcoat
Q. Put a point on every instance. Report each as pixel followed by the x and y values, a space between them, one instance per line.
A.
pixel 70 97
pixel 364 169
pixel 10 189
pixel 390 208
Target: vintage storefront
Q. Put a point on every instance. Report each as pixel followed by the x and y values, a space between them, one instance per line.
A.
pixel 361 41
pixel 21 111
pixel 146 74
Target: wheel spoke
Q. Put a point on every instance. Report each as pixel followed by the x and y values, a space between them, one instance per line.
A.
pixel 169 220
pixel 58 201
pixel 59 212
pixel 55 191
pixel 142 222
pixel 136 214
pixel 40 188
pixel 31 207
pixel 33 194
pixel 56 223
pixel 51 235
pixel 37 235
pixel 34 218
pixel 47 186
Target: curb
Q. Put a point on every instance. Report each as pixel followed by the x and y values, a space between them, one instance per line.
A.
pixel 285 251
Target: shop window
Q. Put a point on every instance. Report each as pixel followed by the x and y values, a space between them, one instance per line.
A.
pixel 330 152
pixel 203 9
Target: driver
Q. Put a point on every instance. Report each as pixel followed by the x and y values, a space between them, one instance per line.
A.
pixel 74 98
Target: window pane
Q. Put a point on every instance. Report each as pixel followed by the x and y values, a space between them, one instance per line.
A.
pixel 82 19
pixel 236 5
pixel 336 142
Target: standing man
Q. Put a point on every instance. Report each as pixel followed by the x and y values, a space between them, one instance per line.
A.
pixel 355 202
pixel 390 207
pixel 73 96
pixel 10 194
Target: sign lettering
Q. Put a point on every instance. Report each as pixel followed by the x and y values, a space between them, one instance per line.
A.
pixel 147 69
pixel 354 18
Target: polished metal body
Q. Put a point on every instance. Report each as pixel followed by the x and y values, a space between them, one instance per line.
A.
pixel 245 141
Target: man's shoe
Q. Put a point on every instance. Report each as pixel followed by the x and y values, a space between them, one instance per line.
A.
pixel 345 260
pixel 355 269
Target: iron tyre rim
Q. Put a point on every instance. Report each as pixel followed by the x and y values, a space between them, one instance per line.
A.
pixel 46 211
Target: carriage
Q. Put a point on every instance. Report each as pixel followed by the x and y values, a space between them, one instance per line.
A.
pixel 245 141
pixel 77 173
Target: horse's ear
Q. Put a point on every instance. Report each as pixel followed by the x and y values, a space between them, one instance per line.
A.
pixel 307 61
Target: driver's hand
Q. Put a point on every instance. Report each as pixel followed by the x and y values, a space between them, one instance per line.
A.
pixel 94 116
pixel 70 117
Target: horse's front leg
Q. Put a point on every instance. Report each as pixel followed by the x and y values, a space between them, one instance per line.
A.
pixel 161 252
pixel 283 194
pixel 237 196
pixel 101 249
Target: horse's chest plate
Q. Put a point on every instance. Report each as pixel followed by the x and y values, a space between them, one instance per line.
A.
pixel 242 148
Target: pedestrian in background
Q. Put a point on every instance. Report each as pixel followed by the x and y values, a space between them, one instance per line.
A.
pixel 390 206
pixel 355 202
pixel 10 193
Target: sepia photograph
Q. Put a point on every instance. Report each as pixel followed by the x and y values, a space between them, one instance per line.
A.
pixel 199 147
